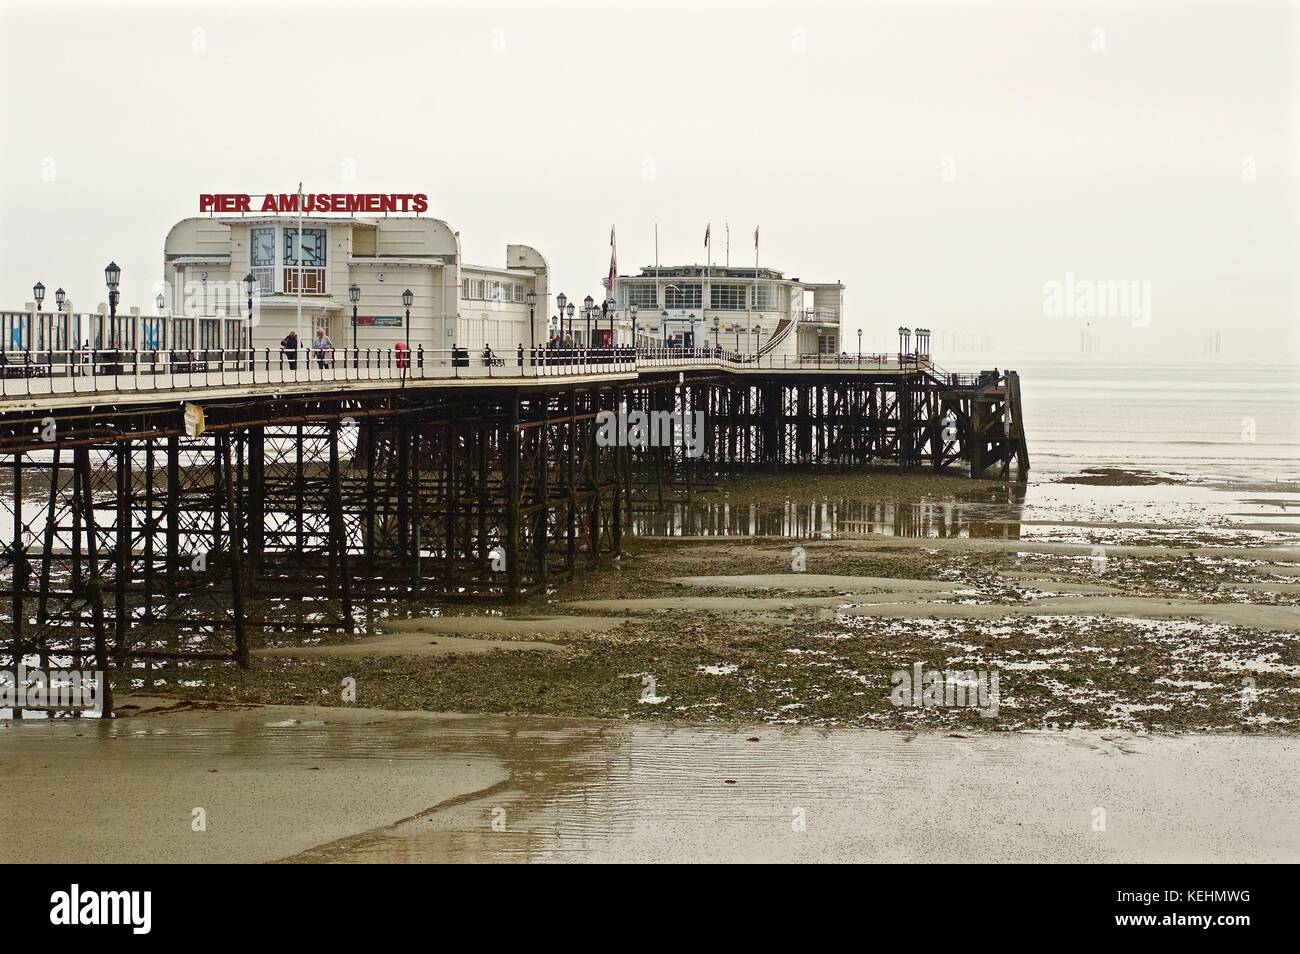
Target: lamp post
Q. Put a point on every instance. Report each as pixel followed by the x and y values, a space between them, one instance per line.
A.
pixel 691 319
pixel 354 293
pixel 569 310
pixel 112 278
pixel 60 296
pixel 588 304
pixel 531 298
pixel 408 299
pixel 859 346
pixel 609 310
pixel 632 311
pixel 904 335
pixel 715 332
pixel 38 292
pixel 663 325
pixel 249 281
pixel 560 301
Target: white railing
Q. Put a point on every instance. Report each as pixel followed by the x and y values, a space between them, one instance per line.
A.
pixel 29 373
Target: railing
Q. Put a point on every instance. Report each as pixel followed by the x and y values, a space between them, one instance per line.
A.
pixel 821 316
pixel 61 372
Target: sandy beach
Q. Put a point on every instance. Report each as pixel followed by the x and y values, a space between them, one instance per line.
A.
pixel 723 691
pixel 313 784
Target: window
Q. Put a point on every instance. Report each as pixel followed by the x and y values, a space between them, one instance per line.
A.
pixel 727 297
pixel 494 290
pixel 683 296
pixel 474 289
pixel 644 295
pixel 765 298
pixel 313 248
pixel 519 292
pixel 262 247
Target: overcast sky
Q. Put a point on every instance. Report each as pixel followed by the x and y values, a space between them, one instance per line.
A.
pixel 946 161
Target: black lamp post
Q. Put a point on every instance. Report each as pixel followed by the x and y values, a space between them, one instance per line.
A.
pixel 715 332
pixel 408 299
pixel 904 335
pixel 248 293
pixel 570 310
pixel 59 297
pixel 38 292
pixel 531 298
pixel 663 329
pixel 609 310
pixel 588 304
pixel 560 301
pixel 112 278
pixel 632 311
pixel 354 293
pixel 859 346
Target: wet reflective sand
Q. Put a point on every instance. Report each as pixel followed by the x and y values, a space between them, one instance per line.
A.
pixel 310 784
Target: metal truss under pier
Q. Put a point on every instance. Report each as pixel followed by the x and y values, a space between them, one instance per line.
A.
pixel 128 543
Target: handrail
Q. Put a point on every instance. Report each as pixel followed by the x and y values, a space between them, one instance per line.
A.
pixel 54 372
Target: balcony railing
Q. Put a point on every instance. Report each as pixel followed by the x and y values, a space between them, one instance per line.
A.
pixel 820 316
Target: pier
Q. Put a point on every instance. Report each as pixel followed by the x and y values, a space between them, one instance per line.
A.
pixel 161 506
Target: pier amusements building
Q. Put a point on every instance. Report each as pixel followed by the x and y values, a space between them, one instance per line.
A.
pixel 308 283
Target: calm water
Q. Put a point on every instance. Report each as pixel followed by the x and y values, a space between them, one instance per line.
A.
pixel 1207 417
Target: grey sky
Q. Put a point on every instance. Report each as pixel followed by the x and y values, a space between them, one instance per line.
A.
pixel 836 127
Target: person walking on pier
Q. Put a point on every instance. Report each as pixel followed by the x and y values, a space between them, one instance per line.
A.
pixel 289 348
pixel 321 345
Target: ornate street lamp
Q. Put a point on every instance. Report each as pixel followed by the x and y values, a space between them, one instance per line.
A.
pixel 60 296
pixel 408 299
pixel 663 329
pixel 859 346
pixel 249 282
pixel 38 292
pixel 569 310
pixel 354 293
pixel 112 278
pixel 531 298
pixel 632 311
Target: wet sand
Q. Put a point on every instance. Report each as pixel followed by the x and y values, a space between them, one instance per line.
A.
pixel 356 785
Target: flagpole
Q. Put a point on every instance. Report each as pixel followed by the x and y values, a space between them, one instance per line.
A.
pixel 753 298
pixel 299 255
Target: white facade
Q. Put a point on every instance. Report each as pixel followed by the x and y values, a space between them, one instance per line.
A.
pixel 739 309
pixel 454 304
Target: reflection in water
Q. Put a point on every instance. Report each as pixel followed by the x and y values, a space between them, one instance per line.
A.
pixel 980 515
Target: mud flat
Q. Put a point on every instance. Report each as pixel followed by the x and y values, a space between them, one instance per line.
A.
pixel 1122 606
pixel 357 785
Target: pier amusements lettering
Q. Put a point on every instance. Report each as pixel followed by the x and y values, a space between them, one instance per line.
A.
pixel 352 202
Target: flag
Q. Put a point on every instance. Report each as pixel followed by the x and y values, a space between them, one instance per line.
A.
pixel 613 263
pixel 707 228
